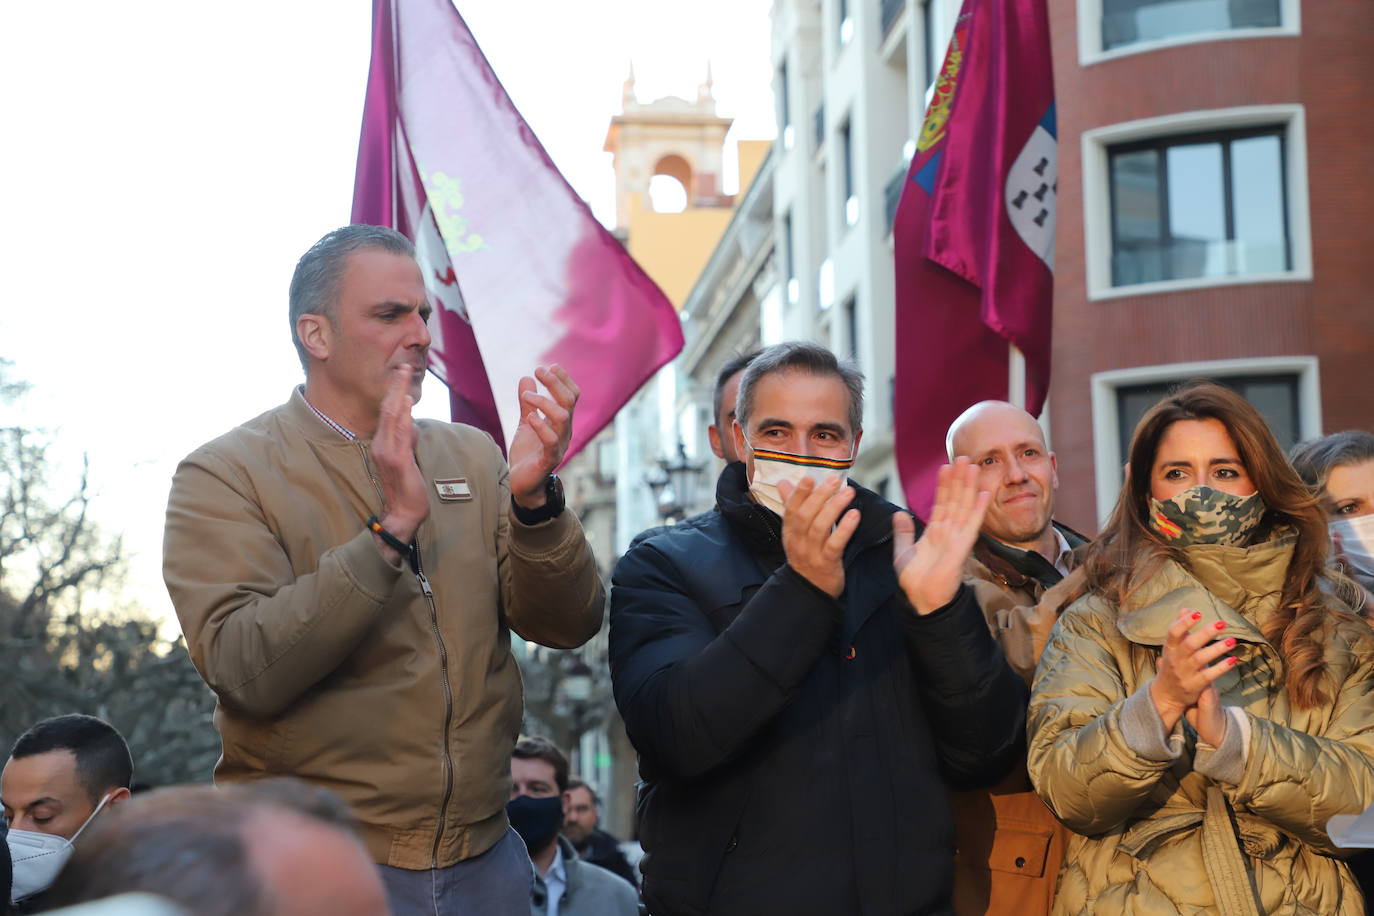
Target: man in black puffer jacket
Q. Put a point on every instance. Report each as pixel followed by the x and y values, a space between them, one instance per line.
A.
pixel 800 678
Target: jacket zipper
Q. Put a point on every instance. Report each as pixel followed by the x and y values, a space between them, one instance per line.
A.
pixel 448 702
pixel 443 665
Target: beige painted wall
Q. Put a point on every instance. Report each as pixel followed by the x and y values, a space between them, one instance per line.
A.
pixel 674 247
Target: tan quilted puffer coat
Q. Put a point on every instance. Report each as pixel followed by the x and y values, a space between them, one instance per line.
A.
pixel 1159 836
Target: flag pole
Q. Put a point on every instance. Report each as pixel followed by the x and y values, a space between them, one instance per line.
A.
pixel 1016 377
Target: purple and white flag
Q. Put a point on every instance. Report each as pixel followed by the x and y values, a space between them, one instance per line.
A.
pixel 520 271
pixel 974 234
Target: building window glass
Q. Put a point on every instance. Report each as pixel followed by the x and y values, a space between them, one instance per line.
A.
pixel 785 108
pixel 1202 205
pixel 825 284
pixel 789 256
pixel 1274 396
pixel 772 322
pixel 851 198
pixel 892 195
pixel 931 52
pixel 887 14
pixel 1126 22
pixel 846 32
pixel 851 329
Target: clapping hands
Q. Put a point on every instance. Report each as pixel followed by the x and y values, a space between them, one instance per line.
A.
pixel 1189 666
pixel 930 570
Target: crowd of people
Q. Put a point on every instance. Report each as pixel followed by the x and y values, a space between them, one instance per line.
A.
pixel 280 845
pixel 838 708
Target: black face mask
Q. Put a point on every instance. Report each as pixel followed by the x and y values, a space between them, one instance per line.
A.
pixel 536 819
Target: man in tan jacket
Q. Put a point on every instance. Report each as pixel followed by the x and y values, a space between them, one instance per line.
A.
pixel 1010 845
pixel 348 579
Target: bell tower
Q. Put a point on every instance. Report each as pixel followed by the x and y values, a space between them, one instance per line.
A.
pixel 670 136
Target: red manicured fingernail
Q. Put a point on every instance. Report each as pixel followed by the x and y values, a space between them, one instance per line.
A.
pixel 1232 661
pixel 1230 642
pixel 1197 615
pixel 1220 625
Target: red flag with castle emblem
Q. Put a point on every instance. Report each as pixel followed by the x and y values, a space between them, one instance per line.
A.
pixel 520 271
pixel 974 234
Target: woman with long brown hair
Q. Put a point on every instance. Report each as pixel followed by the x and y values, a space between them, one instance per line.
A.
pixel 1203 711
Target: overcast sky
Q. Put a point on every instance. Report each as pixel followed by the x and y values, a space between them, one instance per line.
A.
pixel 166 163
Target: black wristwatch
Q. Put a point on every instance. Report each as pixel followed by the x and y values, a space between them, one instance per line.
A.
pixel 552 508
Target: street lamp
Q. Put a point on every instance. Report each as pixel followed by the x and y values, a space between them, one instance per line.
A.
pixel 684 476
pixel 675 485
pixel 576 703
pixel 576 687
pixel 658 482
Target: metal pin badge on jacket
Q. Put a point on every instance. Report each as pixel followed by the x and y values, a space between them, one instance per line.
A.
pixel 454 489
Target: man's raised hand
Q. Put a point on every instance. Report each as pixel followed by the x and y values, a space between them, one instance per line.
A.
pixel 930 570
pixel 542 438
pixel 814 533
pixel 393 451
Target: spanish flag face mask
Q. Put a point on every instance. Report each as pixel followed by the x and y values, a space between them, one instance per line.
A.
pixel 772 468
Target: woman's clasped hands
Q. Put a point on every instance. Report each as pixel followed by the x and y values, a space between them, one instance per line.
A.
pixel 1185 683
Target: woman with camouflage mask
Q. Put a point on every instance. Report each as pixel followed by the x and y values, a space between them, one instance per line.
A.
pixel 1203 711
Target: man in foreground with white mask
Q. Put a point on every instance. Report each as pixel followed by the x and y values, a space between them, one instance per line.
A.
pixel 797 672
pixel 60 774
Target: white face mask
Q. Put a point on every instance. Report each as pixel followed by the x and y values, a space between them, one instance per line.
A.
pixel 38 857
pixel 1357 541
pixel 772 468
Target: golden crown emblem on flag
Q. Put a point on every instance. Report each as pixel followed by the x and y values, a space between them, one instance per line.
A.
pixel 942 99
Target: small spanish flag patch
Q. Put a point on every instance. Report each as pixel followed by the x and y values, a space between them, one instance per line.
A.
pixel 1166 527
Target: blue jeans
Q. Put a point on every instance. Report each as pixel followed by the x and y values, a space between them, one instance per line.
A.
pixel 496 883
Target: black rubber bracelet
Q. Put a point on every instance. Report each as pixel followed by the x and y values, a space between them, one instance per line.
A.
pixel 375 526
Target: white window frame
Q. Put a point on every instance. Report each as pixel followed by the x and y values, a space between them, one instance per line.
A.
pixel 1097 197
pixel 1090 50
pixel 1108 460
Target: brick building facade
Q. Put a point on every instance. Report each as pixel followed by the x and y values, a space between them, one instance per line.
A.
pixel 1216 217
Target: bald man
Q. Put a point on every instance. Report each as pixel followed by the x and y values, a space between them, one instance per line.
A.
pixel 1010 846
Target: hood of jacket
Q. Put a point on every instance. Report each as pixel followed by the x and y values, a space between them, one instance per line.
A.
pixel 1240 586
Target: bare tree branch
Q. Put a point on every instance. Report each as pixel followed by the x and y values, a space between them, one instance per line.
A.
pixel 59 657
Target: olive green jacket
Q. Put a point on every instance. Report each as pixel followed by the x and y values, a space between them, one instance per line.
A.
pixel 1166 824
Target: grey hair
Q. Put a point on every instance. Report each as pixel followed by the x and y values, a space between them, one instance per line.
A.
pixel 1315 459
pixel 805 357
pixel 315 282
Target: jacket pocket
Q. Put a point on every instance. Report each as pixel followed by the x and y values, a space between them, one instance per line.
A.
pixel 1019 852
